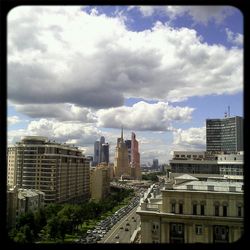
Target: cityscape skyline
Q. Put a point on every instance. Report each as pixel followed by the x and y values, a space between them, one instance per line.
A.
pixel 158 71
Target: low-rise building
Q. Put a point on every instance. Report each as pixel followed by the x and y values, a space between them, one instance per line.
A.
pixel 203 163
pixel 188 210
pixel 21 201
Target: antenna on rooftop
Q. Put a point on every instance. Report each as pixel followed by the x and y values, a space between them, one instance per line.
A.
pixel 228 111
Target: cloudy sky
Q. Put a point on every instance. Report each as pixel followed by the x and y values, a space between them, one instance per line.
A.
pixel 76 73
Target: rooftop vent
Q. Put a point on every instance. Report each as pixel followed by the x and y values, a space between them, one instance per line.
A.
pixel 210 187
pixel 189 187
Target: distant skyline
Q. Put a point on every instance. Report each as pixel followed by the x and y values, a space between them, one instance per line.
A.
pixel 76 73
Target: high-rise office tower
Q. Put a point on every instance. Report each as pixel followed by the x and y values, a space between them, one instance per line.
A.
pixel 128 144
pixel 224 135
pixel 102 141
pixel 155 164
pixel 135 158
pixel 105 153
pixel 59 170
pixel 121 163
pixel 96 153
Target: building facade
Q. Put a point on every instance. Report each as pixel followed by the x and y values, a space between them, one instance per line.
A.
pixel 21 201
pixel 105 153
pixel 193 211
pixel 121 161
pixel 100 182
pixel 135 158
pixel 198 163
pixel 96 153
pixel 224 135
pixel 59 170
pixel 101 152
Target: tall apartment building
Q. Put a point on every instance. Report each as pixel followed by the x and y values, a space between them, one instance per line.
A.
pixel 224 135
pixel 100 181
pixel 193 211
pixel 59 170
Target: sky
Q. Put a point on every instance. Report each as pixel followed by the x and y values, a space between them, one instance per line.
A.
pixel 76 73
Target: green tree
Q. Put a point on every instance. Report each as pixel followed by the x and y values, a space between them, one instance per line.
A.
pixel 52 228
pixel 24 235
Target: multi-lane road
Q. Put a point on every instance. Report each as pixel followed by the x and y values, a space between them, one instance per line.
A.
pixel 122 231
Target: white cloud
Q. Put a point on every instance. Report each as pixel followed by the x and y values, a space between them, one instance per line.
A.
pixel 234 38
pixel 81 133
pixel 143 116
pixel 64 55
pixel 61 111
pixel 199 14
pixel 189 139
pixel 13 120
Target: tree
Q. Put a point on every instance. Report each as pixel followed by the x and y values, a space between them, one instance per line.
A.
pixel 24 235
pixel 52 227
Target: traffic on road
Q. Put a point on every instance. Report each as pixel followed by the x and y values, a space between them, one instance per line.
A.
pixel 105 229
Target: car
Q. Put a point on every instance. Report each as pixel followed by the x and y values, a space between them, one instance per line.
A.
pixel 117 236
pixel 121 227
pixel 126 229
pixel 127 224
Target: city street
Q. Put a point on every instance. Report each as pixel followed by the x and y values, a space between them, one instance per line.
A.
pixel 124 229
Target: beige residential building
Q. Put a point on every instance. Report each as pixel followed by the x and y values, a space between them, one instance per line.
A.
pixel 59 170
pixel 100 181
pixel 188 210
pixel 11 170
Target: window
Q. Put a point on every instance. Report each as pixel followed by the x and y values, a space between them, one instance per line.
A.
pixel 224 211
pixel 202 209
pixel 194 209
pixel 216 210
pixel 173 208
pixel 181 208
pixel 239 212
pixel 198 229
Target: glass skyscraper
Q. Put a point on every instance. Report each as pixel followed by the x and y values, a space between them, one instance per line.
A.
pixel 224 135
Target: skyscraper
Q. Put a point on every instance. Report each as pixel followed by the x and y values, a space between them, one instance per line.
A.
pixel 102 141
pixel 224 135
pixel 121 163
pixel 96 153
pixel 105 153
pixel 128 144
pixel 101 151
pixel 135 158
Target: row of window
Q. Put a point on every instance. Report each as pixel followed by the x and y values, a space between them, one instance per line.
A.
pixel 202 209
